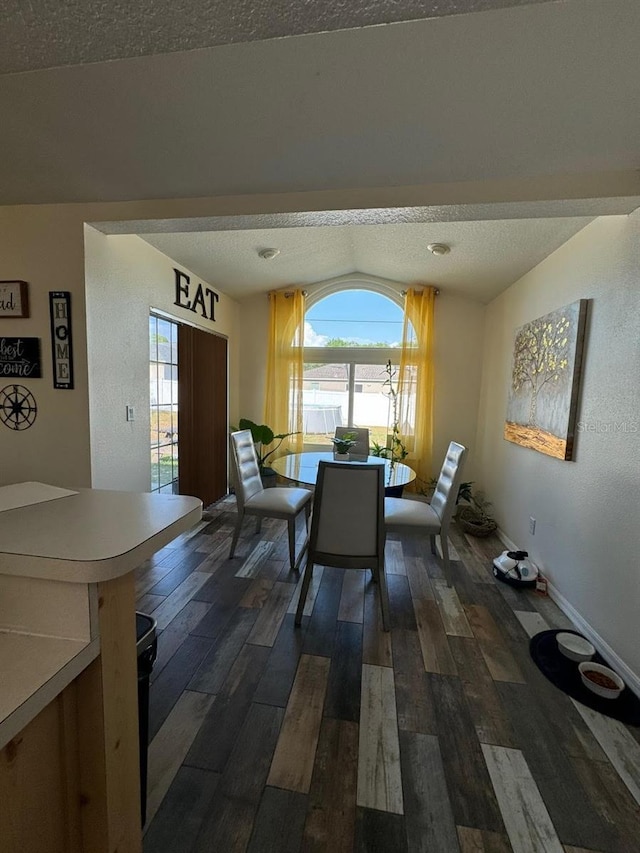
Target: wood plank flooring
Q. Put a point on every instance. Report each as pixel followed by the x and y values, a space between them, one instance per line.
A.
pixel 440 736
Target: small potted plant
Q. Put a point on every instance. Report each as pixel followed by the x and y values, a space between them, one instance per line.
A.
pixel 475 518
pixel 342 445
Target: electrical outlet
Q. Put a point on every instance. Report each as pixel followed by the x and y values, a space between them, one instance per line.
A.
pixel 130 413
pixel 532 525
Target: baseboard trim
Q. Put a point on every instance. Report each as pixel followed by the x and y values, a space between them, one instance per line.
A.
pixel 502 536
pixel 629 677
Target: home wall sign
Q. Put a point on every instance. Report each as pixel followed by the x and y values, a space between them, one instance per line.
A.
pixel 18 409
pixel 61 346
pixel 20 357
pixel 14 299
pixel 204 299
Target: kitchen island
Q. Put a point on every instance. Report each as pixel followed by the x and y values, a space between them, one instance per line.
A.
pixel 69 776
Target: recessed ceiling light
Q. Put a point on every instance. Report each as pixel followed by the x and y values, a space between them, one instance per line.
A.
pixel 268 254
pixel 438 248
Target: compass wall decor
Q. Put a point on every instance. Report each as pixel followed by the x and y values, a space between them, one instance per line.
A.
pixel 18 409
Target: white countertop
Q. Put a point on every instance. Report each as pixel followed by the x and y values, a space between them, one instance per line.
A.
pixel 93 535
pixel 80 538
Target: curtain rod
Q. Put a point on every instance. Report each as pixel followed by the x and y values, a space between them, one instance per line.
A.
pixel 289 293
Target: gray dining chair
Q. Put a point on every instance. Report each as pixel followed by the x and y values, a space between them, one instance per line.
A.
pixel 347 526
pixel 361 446
pixel 253 499
pixel 434 518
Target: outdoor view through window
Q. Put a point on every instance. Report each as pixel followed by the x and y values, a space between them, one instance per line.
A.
pixel 349 336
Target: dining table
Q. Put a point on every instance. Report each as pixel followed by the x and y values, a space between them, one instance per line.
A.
pixel 303 468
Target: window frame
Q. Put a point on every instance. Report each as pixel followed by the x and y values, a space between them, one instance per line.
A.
pixel 172 486
pixel 351 356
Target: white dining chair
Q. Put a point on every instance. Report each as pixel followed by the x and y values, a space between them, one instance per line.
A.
pixel 361 446
pixel 253 499
pixel 434 518
pixel 347 526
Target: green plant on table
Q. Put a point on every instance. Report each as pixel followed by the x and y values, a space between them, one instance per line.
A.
pixel 344 444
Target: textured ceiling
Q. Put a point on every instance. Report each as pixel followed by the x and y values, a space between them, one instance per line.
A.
pixel 545 90
pixel 485 257
pixel 540 90
pixel 51 33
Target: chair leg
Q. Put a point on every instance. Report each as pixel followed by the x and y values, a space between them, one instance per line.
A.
pixel 236 534
pixel 384 597
pixel 291 524
pixel 258 523
pixel 307 514
pixel 306 581
pixel 434 550
pixel 446 565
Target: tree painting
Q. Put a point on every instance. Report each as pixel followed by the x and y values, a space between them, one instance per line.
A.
pixel 543 396
pixel 540 356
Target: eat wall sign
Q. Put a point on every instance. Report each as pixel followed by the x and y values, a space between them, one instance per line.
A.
pixel 200 300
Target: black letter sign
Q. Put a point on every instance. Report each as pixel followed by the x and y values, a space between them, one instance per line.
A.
pixel 180 289
pixel 198 305
pixel 60 313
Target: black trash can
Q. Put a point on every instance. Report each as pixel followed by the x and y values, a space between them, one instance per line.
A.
pixel 147 648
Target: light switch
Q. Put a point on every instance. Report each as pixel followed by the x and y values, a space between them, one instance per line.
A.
pixel 130 413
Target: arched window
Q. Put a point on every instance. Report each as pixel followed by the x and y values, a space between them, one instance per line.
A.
pixel 349 336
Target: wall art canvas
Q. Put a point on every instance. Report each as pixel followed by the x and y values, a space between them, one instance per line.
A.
pixel 545 381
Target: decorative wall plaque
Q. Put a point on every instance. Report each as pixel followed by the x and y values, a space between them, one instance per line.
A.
pixel 61 347
pixel 18 407
pixel 20 358
pixel 14 299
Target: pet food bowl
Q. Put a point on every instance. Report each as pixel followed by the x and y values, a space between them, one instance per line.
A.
pixel 601 680
pixel 574 647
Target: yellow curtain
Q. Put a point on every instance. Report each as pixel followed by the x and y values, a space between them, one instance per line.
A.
pixel 416 380
pixel 283 405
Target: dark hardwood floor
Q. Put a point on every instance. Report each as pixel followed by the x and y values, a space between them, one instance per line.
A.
pixel 441 735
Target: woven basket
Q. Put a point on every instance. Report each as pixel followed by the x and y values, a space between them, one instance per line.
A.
pixel 471 522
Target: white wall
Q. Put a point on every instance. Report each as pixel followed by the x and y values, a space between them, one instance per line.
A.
pixel 253 333
pixel 46 251
pixel 125 278
pixel 587 538
pixel 459 336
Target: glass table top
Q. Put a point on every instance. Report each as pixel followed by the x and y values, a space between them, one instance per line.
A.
pixel 303 468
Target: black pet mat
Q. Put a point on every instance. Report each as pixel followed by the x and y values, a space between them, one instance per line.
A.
pixel 565 675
